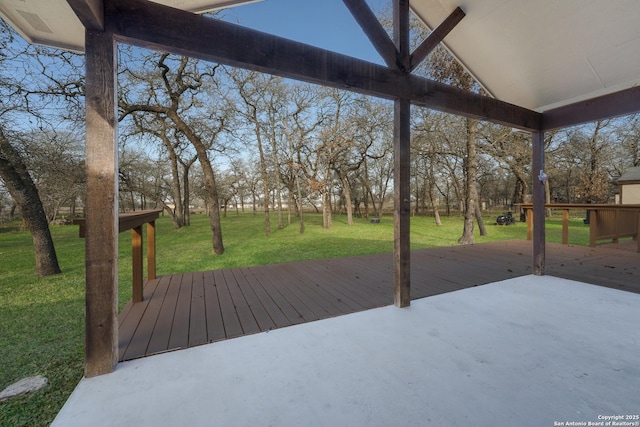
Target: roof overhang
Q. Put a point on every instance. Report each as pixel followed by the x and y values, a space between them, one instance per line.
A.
pixel 544 54
pixel 54 23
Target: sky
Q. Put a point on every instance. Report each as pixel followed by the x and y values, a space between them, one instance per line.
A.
pixel 327 24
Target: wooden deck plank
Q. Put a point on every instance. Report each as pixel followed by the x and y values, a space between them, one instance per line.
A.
pixel 281 295
pixel 296 287
pixel 161 333
pixel 232 326
pixel 198 314
pixel 243 310
pixel 275 312
pixel 293 316
pixel 215 324
pixel 332 300
pixel 359 287
pixel 260 313
pixel 179 337
pixel 148 290
pixel 138 345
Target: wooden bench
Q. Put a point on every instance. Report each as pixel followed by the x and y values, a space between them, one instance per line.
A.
pixel 606 222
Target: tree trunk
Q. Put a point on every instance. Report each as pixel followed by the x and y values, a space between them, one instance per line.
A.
pixel 347 199
pixel 326 207
pixel 265 179
pixel 547 198
pixel 299 191
pixel 276 177
pixel 187 194
pixel 16 178
pixel 434 203
pixel 177 215
pixel 209 181
pixel 481 226
pixel 471 190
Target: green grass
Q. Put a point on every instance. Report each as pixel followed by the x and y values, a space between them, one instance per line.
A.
pixel 42 319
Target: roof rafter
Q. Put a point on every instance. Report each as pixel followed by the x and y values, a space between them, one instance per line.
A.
pixel 90 13
pixel 374 31
pixel 607 106
pixel 435 37
pixel 146 24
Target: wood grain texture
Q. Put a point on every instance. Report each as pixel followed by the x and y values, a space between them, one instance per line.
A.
pixel 374 31
pixel 320 289
pixel 613 105
pixel 538 199
pixel 90 13
pixel 436 36
pixel 101 351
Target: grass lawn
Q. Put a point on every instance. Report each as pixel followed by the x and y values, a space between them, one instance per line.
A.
pixel 42 319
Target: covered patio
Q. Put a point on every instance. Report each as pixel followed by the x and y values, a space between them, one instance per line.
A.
pixel 533 350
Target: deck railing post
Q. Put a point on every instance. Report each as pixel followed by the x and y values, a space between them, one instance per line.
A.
pixel 565 226
pixel 151 250
pixel 529 218
pixel 593 226
pixel 136 263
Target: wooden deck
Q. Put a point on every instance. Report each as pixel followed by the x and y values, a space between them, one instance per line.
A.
pixel 189 309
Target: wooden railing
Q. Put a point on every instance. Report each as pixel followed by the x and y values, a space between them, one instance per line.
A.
pixel 606 222
pixel 134 221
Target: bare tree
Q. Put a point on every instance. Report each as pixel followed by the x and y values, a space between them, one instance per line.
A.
pixel 36 85
pixel 301 123
pixel 169 87
pixel 253 89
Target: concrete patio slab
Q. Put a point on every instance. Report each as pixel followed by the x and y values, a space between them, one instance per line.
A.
pixel 529 351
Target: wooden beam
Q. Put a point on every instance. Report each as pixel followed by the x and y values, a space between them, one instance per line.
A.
pixel 90 13
pixel 155 26
pixel 401 32
pixel 538 200
pixel 374 31
pixel 402 166
pixel 603 107
pixel 402 203
pixel 436 37
pixel 101 208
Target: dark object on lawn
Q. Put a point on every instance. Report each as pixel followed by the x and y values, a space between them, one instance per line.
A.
pixel 506 219
pixel 375 220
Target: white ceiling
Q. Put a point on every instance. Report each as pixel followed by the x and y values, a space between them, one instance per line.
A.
pixel 544 53
pixel 53 22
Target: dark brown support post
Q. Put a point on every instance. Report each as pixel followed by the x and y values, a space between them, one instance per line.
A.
pixel 101 323
pixel 151 250
pixel 402 208
pixel 402 159
pixel 136 263
pixel 538 200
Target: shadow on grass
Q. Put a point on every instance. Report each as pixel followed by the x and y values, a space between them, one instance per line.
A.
pixel 11 228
